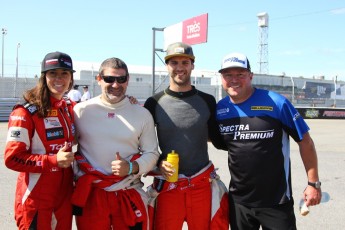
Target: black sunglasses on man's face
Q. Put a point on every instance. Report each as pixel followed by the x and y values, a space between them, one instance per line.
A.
pixel 112 79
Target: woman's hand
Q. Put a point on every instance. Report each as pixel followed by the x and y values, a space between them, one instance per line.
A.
pixel 64 158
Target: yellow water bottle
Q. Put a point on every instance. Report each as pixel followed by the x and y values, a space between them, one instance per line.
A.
pixel 173 159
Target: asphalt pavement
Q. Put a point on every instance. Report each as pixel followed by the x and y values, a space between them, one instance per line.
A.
pixel 329 139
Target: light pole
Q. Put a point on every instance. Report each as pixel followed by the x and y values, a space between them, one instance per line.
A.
pixel 293 90
pixel 154 49
pixel 17 60
pixel 335 91
pixel 4 32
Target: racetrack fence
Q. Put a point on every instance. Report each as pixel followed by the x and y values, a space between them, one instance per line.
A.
pixel 312 95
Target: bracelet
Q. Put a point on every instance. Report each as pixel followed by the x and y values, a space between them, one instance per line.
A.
pixel 130 168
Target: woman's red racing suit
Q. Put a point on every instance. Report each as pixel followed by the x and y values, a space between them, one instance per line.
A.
pixel 43 189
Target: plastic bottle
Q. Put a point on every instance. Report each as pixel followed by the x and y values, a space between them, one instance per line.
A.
pixel 304 210
pixel 173 159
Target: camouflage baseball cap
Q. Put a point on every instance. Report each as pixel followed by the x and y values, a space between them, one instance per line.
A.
pixel 179 49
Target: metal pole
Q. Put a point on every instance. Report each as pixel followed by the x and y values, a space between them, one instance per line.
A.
pixel 4 32
pixel 335 91
pixel 154 56
pixel 92 88
pixel 293 90
pixel 15 82
pixel 153 59
pixel 17 60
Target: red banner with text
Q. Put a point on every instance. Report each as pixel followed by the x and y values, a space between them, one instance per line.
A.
pixel 194 30
pixel 191 31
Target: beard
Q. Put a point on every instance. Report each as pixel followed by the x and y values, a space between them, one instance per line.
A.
pixel 114 95
pixel 181 81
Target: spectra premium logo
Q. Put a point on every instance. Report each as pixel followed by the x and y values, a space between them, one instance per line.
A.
pixel 242 132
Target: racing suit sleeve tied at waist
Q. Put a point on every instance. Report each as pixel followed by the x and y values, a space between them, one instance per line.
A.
pixel 220 208
pixel 91 178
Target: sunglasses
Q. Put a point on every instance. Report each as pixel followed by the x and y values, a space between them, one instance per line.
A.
pixel 112 79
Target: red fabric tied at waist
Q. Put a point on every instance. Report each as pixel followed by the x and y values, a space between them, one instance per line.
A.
pixel 131 201
pixel 161 185
pixel 86 181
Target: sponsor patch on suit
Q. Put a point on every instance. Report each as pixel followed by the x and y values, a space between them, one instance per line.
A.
pixel 52 122
pixel 55 133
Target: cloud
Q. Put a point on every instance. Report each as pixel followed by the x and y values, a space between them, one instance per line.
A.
pixel 291 53
pixel 242 28
pixel 338 11
pixel 329 51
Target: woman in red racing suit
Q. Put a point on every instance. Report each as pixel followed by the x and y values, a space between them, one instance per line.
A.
pixel 39 146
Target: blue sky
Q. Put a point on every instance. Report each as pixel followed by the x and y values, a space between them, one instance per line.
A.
pixel 305 38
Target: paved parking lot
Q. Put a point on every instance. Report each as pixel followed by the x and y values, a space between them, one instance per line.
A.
pixel 329 139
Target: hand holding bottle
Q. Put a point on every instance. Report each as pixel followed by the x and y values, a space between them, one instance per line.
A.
pixel 304 209
pixel 173 159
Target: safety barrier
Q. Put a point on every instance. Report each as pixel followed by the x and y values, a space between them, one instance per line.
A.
pixel 321 113
pixel 6 106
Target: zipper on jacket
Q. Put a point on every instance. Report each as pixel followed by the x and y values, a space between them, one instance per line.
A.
pixel 66 123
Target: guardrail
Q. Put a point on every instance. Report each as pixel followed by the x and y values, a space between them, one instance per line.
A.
pixel 321 113
pixel 6 106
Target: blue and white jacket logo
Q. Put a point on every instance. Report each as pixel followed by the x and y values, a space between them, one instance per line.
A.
pixel 222 111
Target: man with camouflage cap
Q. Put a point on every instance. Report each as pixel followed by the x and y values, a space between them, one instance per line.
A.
pixel 185 121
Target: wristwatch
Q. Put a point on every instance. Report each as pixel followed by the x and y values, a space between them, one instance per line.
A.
pixel 316 184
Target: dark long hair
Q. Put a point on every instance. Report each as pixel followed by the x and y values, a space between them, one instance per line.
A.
pixel 40 95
